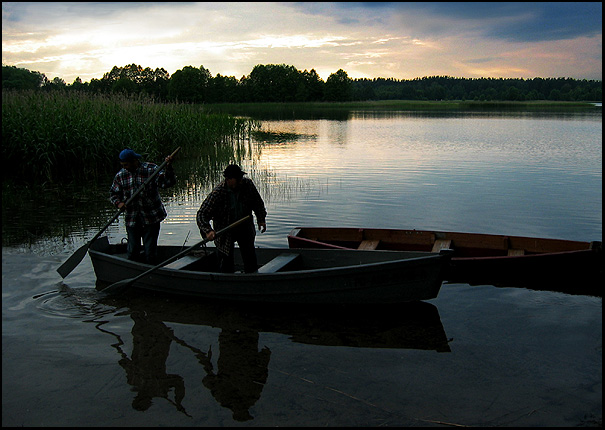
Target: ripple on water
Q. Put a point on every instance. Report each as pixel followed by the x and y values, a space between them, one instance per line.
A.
pixel 66 302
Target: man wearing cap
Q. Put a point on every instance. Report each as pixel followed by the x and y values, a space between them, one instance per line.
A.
pixel 144 214
pixel 231 200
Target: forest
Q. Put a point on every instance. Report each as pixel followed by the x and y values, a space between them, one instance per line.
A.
pixel 284 83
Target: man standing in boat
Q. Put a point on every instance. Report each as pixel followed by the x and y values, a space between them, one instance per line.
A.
pixel 144 214
pixel 232 199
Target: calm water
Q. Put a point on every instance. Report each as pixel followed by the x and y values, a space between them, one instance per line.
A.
pixel 476 355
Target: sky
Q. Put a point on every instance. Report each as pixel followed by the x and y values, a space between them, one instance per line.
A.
pixel 401 40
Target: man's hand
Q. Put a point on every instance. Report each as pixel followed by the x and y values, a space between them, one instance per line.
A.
pixel 262 226
pixel 211 235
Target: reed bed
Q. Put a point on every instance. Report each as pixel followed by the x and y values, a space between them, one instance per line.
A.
pixel 65 136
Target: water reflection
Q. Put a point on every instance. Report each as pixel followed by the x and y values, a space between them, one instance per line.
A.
pixel 237 379
pixel 342 112
pixel 578 280
pixel 513 113
pixel 146 368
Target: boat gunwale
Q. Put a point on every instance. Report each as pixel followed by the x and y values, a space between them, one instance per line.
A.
pixel 290 273
pixel 295 231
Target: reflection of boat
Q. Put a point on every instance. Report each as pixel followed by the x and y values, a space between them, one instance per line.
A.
pixel 237 376
pixel 569 266
pixel 413 325
pixel 304 276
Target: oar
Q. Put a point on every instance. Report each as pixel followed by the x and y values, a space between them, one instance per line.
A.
pixel 75 259
pixel 127 282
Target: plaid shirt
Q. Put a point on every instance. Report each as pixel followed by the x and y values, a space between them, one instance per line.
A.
pixel 218 208
pixel 148 204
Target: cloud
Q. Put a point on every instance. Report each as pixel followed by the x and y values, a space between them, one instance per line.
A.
pixel 481 60
pixel 512 21
pixel 548 21
pixel 403 40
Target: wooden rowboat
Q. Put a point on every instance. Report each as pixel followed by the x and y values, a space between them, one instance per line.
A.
pixel 476 258
pixel 305 276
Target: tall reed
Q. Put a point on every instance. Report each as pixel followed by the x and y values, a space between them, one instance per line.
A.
pixel 58 136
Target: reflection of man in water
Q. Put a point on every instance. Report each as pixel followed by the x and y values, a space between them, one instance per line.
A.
pixel 146 371
pixel 242 372
pixel 242 368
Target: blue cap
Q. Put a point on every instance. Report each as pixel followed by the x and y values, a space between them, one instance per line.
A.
pixel 128 155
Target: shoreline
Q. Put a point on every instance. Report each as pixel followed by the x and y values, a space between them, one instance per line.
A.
pixel 419 105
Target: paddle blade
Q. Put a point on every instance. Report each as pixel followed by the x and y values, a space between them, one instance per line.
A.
pixel 73 261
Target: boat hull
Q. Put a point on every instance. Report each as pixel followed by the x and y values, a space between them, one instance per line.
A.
pixel 558 265
pixel 338 277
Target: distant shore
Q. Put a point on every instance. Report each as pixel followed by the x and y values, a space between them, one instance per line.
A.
pixel 341 110
pixel 419 105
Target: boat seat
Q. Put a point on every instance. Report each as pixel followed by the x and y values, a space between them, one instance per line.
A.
pixel 368 244
pixel 441 244
pixel 514 252
pixel 184 262
pixel 278 263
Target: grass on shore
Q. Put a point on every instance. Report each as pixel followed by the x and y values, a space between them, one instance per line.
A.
pixel 57 136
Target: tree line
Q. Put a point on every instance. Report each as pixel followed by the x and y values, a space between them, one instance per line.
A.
pixel 285 83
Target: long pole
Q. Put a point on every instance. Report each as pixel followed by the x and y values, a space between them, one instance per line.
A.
pixel 75 259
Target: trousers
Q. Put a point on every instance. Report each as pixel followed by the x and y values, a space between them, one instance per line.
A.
pixel 149 235
pixel 244 236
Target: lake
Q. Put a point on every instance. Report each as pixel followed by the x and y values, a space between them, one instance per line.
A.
pixel 476 355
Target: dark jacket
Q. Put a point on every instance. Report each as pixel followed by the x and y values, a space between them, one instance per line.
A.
pixel 219 208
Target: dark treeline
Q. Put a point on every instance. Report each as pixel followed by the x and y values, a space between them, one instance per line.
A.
pixel 283 83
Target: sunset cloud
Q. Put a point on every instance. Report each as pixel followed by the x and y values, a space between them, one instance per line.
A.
pixel 398 40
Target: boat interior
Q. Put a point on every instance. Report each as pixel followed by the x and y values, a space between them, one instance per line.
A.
pixel 462 244
pixel 270 260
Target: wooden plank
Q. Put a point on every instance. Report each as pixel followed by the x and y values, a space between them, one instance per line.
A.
pixel 368 244
pixel 514 252
pixel 441 244
pixel 416 237
pixel 479 241
pixel 278 263
pixel 183 262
